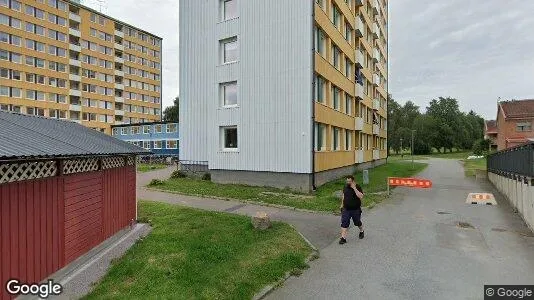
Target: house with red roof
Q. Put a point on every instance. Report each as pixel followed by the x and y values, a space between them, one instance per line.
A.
pixel 515 119
pixel 490 133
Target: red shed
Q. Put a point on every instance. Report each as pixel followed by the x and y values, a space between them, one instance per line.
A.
pixel 64 189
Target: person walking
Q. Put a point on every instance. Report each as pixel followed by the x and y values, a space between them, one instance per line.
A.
pixel 351 208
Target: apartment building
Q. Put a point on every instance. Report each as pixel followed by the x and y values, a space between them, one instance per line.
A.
pixel 283 93
pixel 60 59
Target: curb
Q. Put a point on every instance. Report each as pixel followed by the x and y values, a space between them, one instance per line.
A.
pixel 271 287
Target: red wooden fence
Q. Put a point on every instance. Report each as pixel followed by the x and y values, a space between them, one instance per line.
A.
pixel 47 223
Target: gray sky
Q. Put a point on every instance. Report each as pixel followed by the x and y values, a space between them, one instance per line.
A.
pixel 472 50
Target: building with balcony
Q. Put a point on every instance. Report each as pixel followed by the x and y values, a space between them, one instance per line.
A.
pixel 298 105
pixel 515 119
pixel 57 55
pixel 161 138
pixel 490 133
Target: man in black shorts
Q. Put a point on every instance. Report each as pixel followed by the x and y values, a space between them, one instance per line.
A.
pixel 351 208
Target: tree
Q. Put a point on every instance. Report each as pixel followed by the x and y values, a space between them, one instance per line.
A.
pixel 171 113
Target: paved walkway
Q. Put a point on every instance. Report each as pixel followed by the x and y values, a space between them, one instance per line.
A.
pixel 414 248
pixel 319 228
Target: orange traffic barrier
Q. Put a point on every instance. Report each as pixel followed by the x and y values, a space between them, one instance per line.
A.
pixel 409 182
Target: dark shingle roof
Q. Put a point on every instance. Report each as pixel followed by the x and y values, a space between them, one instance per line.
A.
pixel 518 108
pixel 23 136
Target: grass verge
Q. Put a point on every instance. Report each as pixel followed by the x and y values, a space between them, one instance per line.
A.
pixel 471 165
pixel 194 254
pixel 323 199
pixel 150 167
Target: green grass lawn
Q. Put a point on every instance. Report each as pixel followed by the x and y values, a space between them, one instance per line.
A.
pixel 194 254
pixel 150 167
pixel 471 165
pixel 323 199
pixel 453 155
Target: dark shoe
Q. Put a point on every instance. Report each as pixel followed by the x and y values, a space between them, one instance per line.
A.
pixel 342 241
pixel 361 235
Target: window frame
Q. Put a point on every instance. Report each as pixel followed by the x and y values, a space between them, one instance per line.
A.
pixel 224 144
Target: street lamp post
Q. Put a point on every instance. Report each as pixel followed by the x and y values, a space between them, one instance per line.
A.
pixel 402 153
pixel 413 131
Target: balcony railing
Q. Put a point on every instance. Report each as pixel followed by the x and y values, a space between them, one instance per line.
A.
pixel 376 7
pixel 75 17
pixel 359 59
pixel 359 123
pixel 376 31
pixel 376 79
pixel 376 55
pixel 359 27
pixel 376 104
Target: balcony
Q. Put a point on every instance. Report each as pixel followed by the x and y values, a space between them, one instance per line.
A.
pixel 119 99
pixel 359 27
pixel 359 123
pixel 119 60
pixel 76 93
pixel 119 46
pixel 119 112
pixel 359 91
pixel 358 156
pixel 75 77
pixel 376 154
pixel 376 31
pixel 376 104
pixel 75 32
pixel 119 33
pixel 375 7
pixel 359 59
pixel 74 17
pixel 119 86
pixel 74 47
pixel 75 62
pixel 119 73
pixel 376 79
pixel 75 107
pixel 376 55
pixel 376 129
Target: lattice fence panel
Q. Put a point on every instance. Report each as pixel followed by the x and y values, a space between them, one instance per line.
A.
pixel 27 171
pixel 131 160
pixel 72 166
pixel 113 162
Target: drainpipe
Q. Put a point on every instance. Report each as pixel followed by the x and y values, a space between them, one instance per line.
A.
pixel 314 187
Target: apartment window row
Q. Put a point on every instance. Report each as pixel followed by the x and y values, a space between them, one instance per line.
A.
pixel 141 73
pixel 92 60
pixel 142 61
pixel 141 48
pixel 10 39
pixel 101 35
pixel 95 89
pixel 337 96
pixel 98 19
pixel 96 75
pixel 12 4
pixel 96 47
pixel 131 32
pixel 146 129
pixel 93 117
pixel 58 4
pixel 160 144
pixel 86 102
pixel 32 61
pixel 141 97
pixel 141 109
pixel 338 59
pixel 142 85
pixel 342 139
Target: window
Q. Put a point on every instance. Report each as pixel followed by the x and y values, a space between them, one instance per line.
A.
pixel 230 51
pixel 335 139
pixel 335 97
pixel 172 144
pixel 320 137
pixel 146 129
pixel 524 126
pixel 158 144
pixel 320 41
pixel 229 9
pixel 4 55
pixel 136 130
pixel 229 93
pixel 4 90
pixel 348 33
pixel 348 104
pixel 229 138
pixel 336 53
pixel 336 17
pixel 16 58
pixel 348 68
pixel 348 140
pixel 320 87
pixel 157 128
pixel 15 75
pixel 15 92
pixel 124 131
pixel 146 144
pixel 4 73
pixel 171 128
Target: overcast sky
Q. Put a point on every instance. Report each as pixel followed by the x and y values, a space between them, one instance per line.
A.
pixel 473 50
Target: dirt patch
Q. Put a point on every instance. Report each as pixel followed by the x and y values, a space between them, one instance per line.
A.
pixel 465 225
pixel 443 213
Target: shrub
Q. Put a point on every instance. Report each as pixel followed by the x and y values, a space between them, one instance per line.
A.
pixel 206 176
pixel 481 146
pixel 178 174
pixel 421 148
pixel 156 182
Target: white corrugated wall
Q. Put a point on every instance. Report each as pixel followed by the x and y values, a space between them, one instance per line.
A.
pixel 274 85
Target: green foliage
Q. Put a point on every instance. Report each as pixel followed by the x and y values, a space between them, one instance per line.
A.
pixel 178 174
pixel 206 176
pixel 171 113
pixel 481 146
pixel 155 182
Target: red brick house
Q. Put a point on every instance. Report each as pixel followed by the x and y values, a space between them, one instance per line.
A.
pixel 490 133
pixel 515 119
